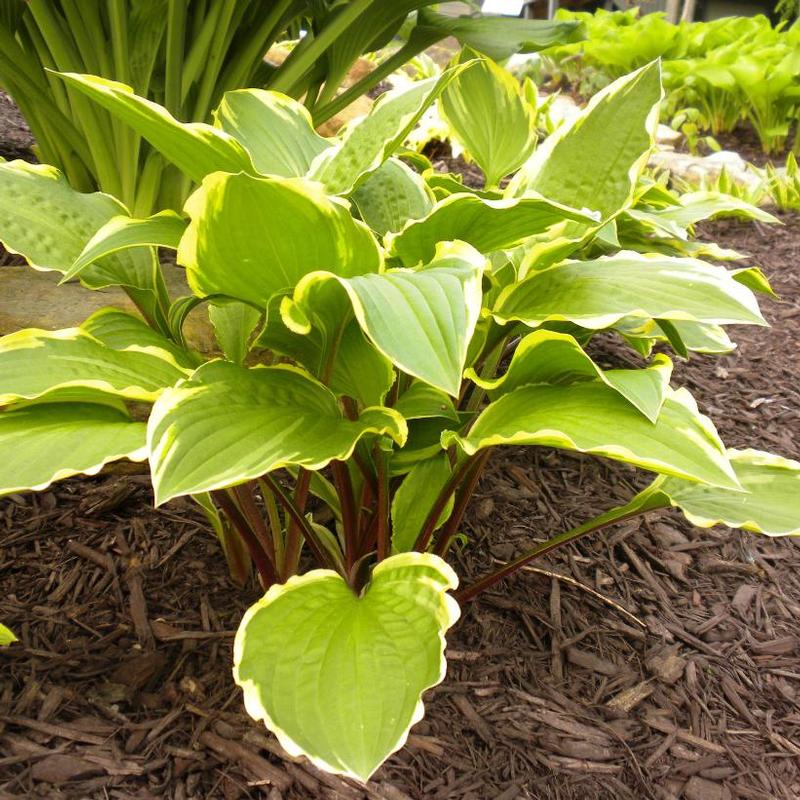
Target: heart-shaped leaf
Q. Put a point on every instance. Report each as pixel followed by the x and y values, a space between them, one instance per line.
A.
pixel 339 677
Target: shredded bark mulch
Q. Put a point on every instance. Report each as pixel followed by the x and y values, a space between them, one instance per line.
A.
pixel 654 660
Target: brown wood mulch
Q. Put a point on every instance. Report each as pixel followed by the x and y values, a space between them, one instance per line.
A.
pixel 654 660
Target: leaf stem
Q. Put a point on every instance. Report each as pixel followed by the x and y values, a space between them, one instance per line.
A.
pixel 382 510
pixel 240 524
pixel 632 509
pixel 344 488
pixel 453 482
pixel 302 523
pixel 294 538
pixel 247 503
pixel 463 496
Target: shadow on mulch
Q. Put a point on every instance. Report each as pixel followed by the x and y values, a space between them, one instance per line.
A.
pixel 655 660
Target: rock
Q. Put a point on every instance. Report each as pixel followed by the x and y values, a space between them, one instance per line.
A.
pixel 695 169
pixel 33 299
pixel 728 159
pixel 667 136
pixel 563 109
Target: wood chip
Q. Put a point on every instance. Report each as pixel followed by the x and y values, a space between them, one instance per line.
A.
pixel 62 768
pixel 257 766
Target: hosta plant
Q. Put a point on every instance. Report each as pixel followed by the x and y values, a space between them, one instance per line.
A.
pixel 381 333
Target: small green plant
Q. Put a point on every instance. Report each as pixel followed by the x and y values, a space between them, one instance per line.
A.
pixel 783 185
pixel 185 54
pixel 719 73
pixel 363 311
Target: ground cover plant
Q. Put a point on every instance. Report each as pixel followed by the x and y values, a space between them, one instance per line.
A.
pixel 381 331
pixel 716 74
pixel 185 54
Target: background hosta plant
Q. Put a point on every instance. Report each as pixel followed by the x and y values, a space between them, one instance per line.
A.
pixel 185 54
pixel 382 330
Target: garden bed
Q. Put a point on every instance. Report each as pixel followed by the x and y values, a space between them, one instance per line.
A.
pixel 654 660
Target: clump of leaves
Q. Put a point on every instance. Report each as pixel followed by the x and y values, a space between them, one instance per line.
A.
pixel 363 311
pixel 185 54
pixel 723 72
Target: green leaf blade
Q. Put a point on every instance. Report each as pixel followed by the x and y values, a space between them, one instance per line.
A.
pixel 49 223
pixel 252 238
pixel 195 148
pixel 422 320
pixel 769 503
pixel 227 424
pixel 34 362
pixel 489 116
pixel 120 233
pixel 595 160
pixel 63 439
pixel 593 418
pixel 275 129
pixel 485 224
pixel 599 293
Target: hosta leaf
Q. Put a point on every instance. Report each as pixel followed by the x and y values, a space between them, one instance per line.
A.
pixel 596 294
pixel 768 505
pixel 593 418
pixel 595 160
pixel 234 323
pixel 422 320
pixel 63 439
pixel 490 117
pixel 360 371
pixel 550 357
pixel 34 361
pixel 695 207
pixel 499 37
pixel 703 338
pixel 485 224
pixel 424 442
pixel 195 148
pixel 120 330
pixel 6 636
pixel 228 424
pixel 120 233
pixel 369 141
pixel 391 196
pixel 48 222
pixel 414 499
pixel 339 677
pixel 252 238
pixel 275 129
pixel 422 401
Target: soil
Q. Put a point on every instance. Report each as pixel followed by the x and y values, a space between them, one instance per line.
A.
pixel 654 660
pixel 744 140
